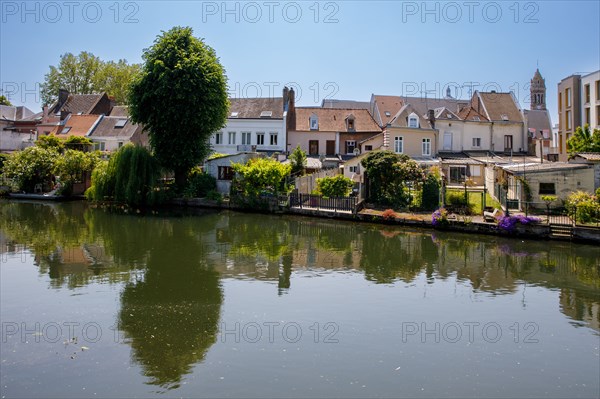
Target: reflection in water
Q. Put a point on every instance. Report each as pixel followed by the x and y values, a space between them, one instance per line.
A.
pixel 170 266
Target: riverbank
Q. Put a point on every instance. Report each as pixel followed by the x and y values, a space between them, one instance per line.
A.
pixel 464 224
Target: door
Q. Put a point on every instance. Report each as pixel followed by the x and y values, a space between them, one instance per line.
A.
pixel 313 147
pixel 447 141
pixel 330 147
pixel 508 143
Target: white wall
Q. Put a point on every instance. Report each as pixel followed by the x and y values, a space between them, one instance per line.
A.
pixel 500 129
pixel 591 80
pixel 253 126
pixel 12 141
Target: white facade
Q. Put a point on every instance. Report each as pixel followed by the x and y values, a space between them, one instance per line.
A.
pixel 240 135
pixel 457 136
pixel 590 100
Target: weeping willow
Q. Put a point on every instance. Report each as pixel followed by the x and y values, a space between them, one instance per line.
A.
pixel 130 176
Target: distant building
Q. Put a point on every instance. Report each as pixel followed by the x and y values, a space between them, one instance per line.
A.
pixel 538 122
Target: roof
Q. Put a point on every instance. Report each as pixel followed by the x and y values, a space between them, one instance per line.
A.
pixel 251 108
pixel 519 168
pixel 14 113
pixel 120 110
pixel 470 114
pixel 108 127
pixel 500 106
pixel 538 119
pixel 334 120
pixel 401 118
pixel 77 104
pixel 80 125
pixel 421 105
pixel 311 163
pixel 590 156
pixel 348 104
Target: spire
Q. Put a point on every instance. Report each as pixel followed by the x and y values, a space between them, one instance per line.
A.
pixel 538 91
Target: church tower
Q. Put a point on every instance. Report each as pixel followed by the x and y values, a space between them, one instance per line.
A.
pixel 538 91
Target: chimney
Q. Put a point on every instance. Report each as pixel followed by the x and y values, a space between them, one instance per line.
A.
pixel 45 114
pixel 291 118
pixel 431 118
pixel 63 95
pixel 286 92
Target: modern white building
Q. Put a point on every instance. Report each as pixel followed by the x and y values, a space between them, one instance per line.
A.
pixel 590 100
pixel 254 124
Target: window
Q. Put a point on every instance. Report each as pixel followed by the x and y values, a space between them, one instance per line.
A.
pixel 426 146
pixel 260 138
pixel 353 169
pixel 350 123
pixel 447 141
pixel 458 174
pixel 246 138
pixel 413 120
pixel 273 138
pixel 368 148
pixel 66 130
pixel 547 188
pixel 568 120
pixel 476 118
pixel 559 102
pixel 120 123
pixel 476 142
pixel 226 173
pixel 598 90
pixel 398 145
pixel 475 170
pixel 231 138
pixel 266 114
pixel 597 115
pixel 314 122
pixel 587 116
pixel 350 146
pixel 568 96
pixel 234 114
pixel 388 114
pixel 586 91
pixel 120 144
pixel 504 117
pixel 219 138
pixel 508 142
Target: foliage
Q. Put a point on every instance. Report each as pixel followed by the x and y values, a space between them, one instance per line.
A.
pixel 33 165
pixel 180 97
pixel 298 160
pixel 456 198
pixel 584 141
pixel 130 176
pixel 509 223
pixel 216 155
pixel 584 206
pixel 430 194
pixel 3 158
pixel 388 174
pixel 337 186
pixel 50 141
pixel 78 143
pixel 199 184
pixel 72 165
pixel 5 101
pixel 260 176
pixel 88 74
pixel 214 195
pixel 439 218
pixel 548 198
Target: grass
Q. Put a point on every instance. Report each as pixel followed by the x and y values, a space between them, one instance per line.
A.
pixel 475 202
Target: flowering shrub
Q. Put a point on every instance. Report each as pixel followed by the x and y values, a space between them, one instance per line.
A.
pixel 439 218
pixel 509 223
pixel 388 214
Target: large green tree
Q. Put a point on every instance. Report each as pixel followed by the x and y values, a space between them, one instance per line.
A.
pixel 584 140
pixel 181 99
pixel 4 100
pixel 87 74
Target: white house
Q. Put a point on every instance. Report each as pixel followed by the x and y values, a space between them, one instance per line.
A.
pixel 590 100
pixel 254 124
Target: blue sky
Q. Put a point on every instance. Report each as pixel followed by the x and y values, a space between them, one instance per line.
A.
pixel 339 49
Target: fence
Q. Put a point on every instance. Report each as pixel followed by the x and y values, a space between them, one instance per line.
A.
pixel 311 201
pixel 307 184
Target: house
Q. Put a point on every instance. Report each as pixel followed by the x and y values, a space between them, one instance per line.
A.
pixel 79 104
pixel 461 169
pixel 540 141
pixel 112 132
pixel 528 182
pixel 411 134
pixel 255 124
pixel 329 132
pixel 589 158
pixel 12 137
pixel 220 168
pixel 76 125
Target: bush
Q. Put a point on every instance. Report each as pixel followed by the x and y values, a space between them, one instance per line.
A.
pixel 50 141
pixel 430 195
pixel 388 214
pixel 3 158
pixel 337 186
pixel 78 143
pixel 260 176
pixel 130 177
pixel 584 206
pixel 33 165
pixel 455 198
pixel 199 184
pixel 509 223
pixel 439 218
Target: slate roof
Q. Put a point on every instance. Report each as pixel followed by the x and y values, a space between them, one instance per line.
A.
pixel 120 110
pixel 497 105
pixel 15 113
pixel 517 168
pixel 347 104
pixel 538 119
pixel 401 118
pixel 590 156
pixel 77 104
pixel 106 128
pixel 251 108
pixel 334 120
pixel 421 105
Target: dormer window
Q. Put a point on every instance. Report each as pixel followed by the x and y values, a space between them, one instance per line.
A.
pixel 476 119
pixel 266 114
pixel 314 122
pixel 120 123
pixel 66 130
pixel 234 114
pixel 388 113
pixel 350 123
pixel 504 117
pixel 413 121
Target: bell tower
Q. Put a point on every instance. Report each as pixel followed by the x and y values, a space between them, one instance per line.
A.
pixel 538 91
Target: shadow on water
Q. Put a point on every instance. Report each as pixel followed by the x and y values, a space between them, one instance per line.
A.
pixel 170 266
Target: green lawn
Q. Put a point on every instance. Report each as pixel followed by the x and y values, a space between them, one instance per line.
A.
pixel 475 200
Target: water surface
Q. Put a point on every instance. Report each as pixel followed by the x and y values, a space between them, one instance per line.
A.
pixel 222 304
